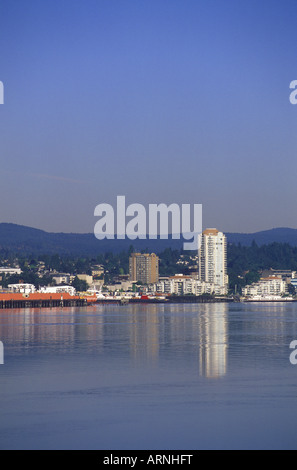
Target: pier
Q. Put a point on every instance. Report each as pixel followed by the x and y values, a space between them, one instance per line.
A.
pixel 38 300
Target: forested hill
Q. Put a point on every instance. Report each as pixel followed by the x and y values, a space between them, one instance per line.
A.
pixel 265 237
pixel 19 239
pixel 245 263
pixel 23 240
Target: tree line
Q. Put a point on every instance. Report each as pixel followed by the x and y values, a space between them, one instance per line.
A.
pixel 245 263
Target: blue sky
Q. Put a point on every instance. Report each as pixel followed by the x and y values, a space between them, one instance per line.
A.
pixel 159 100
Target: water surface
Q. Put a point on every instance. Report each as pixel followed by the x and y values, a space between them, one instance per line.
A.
pixel 188 376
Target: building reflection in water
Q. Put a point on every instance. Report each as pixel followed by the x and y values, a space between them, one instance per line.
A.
pixel 144 333
pixel 213 339
pixel 181 329
pixel 149 333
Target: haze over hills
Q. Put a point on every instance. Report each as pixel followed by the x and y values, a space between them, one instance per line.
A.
pixel 26 240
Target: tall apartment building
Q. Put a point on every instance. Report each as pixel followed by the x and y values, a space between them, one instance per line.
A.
pixel 144 267
pixel 212 258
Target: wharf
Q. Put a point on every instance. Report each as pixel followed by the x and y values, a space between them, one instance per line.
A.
pixel 38 300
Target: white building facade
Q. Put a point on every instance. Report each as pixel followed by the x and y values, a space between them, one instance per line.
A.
pixel 10 271
pixel 22 288
pixel 265 287
pixel 183 285
pixel 57 290
pixel 212 259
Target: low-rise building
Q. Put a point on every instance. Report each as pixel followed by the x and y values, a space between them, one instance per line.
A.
pixel 57 290
pixel 97 271
pixel 87 278
pixel 61 278
pixel 22 288
pixel 182 285
pixel 10 271
pixel 120 286
pixel 267 286
pixel 286 274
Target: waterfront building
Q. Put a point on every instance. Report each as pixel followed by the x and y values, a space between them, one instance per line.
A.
pixel 212 259
pixel 22 288
pixel 144 267
pixel 286 274
pixel 58 290
pixel 122 287
pixel 182 285
pixel 267 286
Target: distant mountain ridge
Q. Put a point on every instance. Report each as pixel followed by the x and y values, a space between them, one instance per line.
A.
pixel 26 240
pixel 264 237
pixel 20 239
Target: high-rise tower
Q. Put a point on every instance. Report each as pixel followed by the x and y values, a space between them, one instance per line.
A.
pixel 144 267
pixel 212 256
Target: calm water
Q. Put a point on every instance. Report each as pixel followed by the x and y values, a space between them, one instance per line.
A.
pixel 213 376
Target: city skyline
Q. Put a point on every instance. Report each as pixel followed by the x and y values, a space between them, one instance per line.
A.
pixel 165 102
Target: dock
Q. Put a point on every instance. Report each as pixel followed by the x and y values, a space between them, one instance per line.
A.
pixel 38 300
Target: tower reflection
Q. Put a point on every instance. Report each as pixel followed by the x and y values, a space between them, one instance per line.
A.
pixel 213 335
pixel 144 333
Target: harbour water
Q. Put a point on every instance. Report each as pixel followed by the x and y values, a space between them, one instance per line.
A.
pixel 185 376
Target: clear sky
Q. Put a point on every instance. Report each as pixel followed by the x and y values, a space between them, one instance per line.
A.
pixel 183 101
